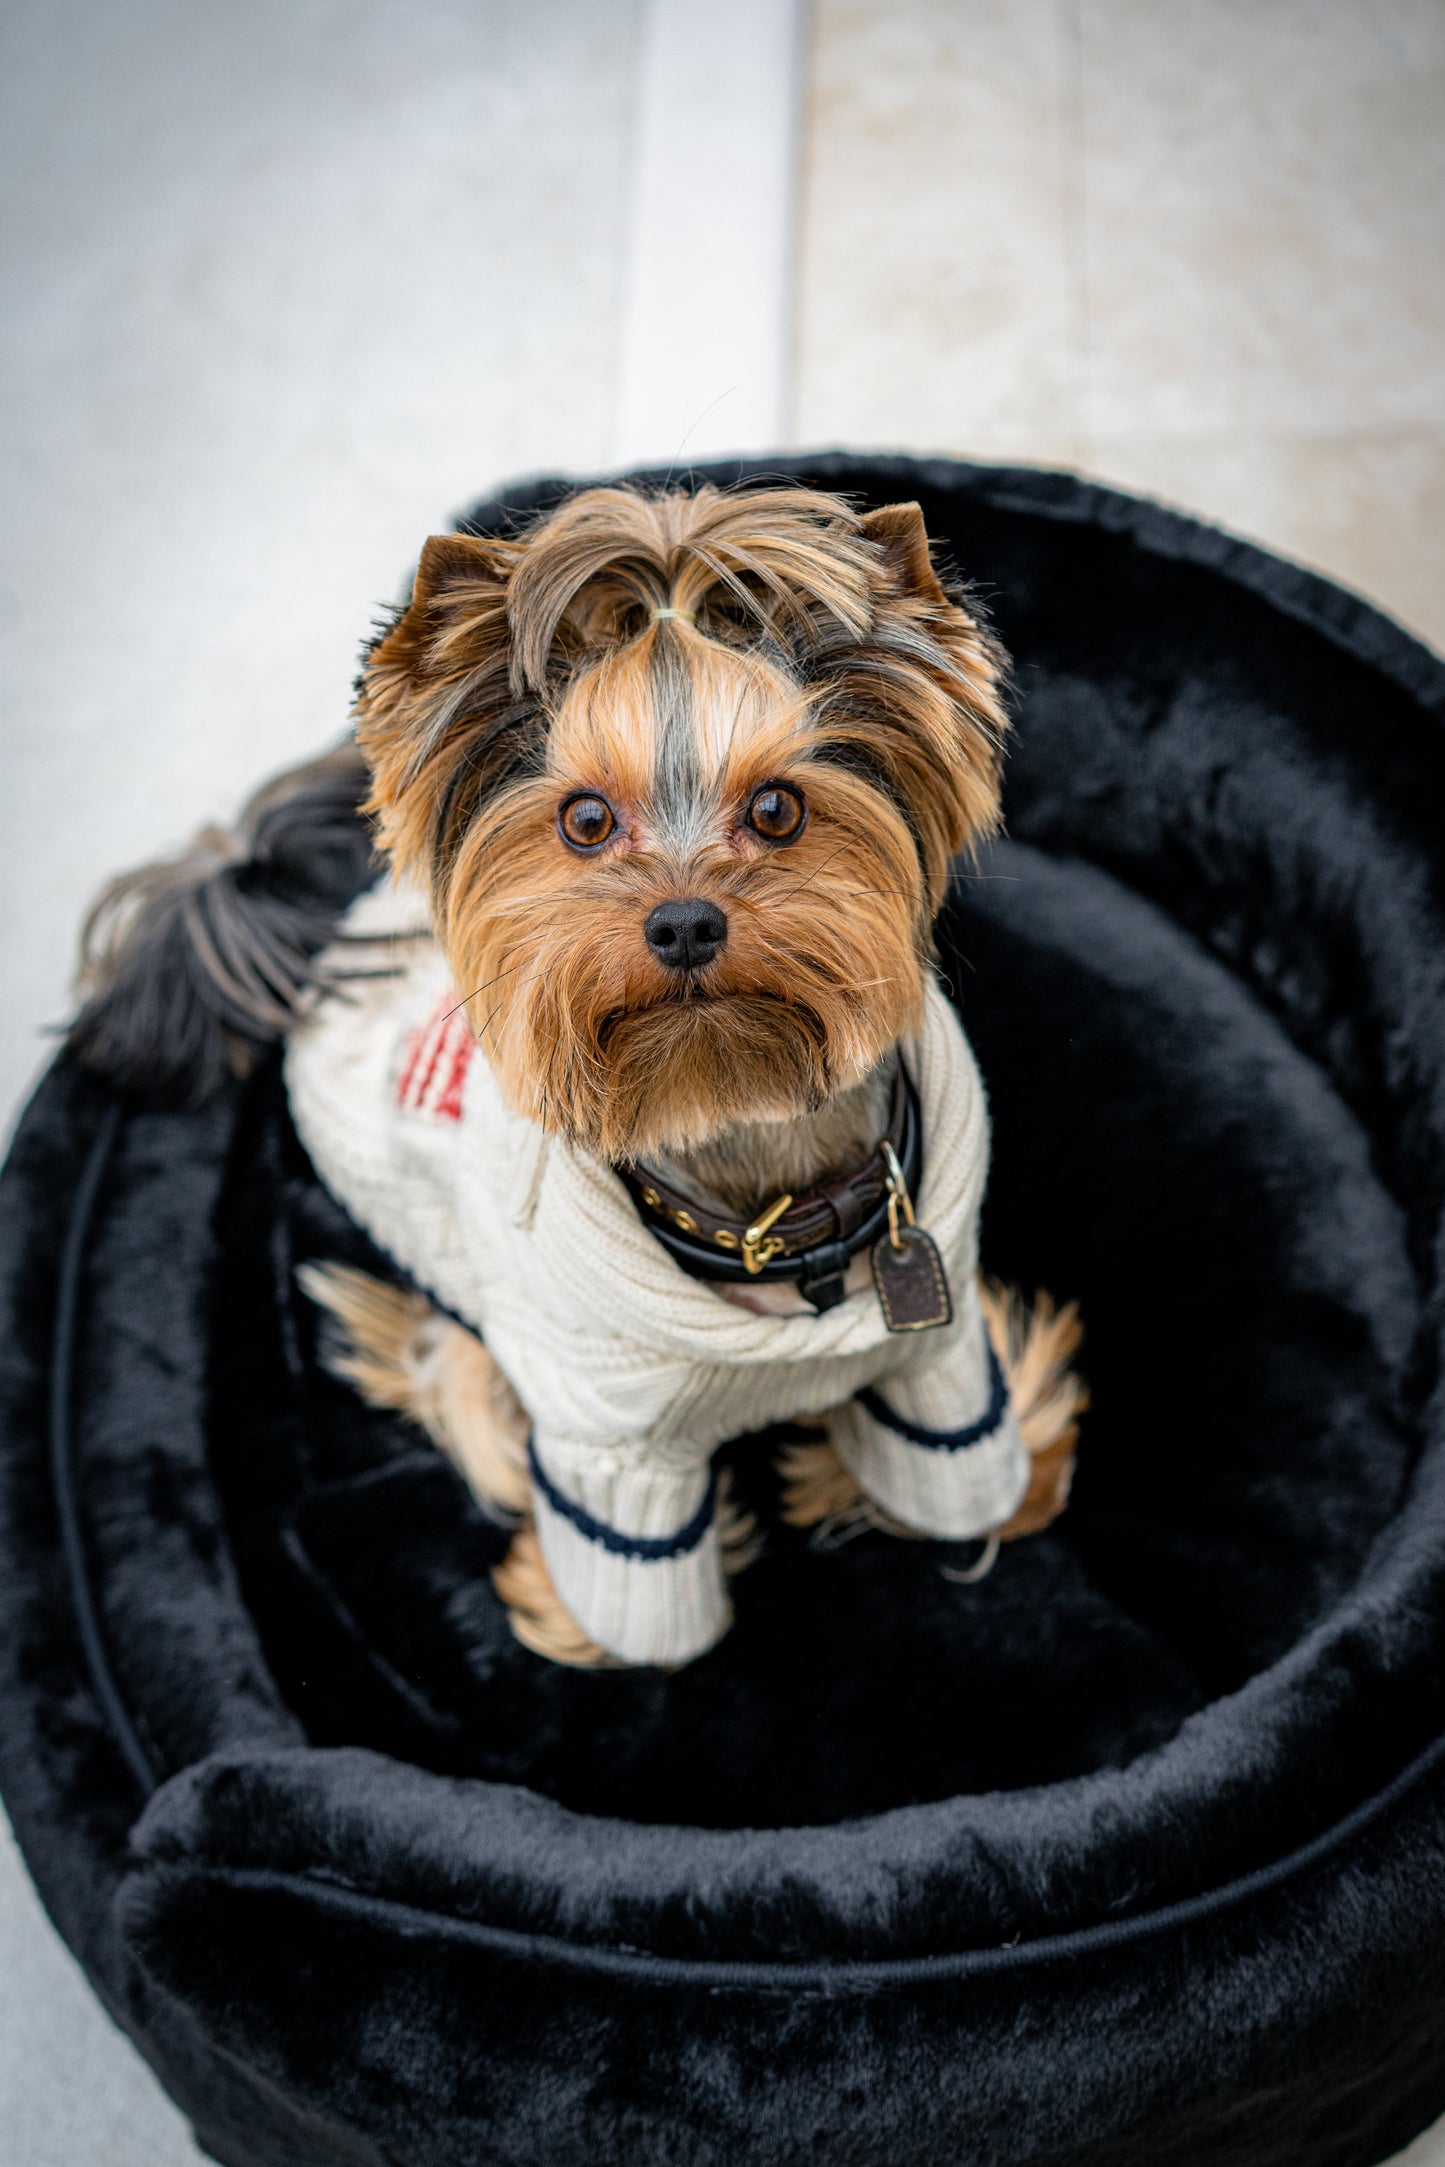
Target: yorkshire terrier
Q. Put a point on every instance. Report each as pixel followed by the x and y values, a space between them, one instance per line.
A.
pixel 637 1064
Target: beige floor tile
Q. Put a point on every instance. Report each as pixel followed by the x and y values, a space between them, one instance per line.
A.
pixel 1195 249
pixel 1264 190
pixel 1367 510
pixel 937 307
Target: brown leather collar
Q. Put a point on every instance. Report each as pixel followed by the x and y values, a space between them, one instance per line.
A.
pixel 811 1239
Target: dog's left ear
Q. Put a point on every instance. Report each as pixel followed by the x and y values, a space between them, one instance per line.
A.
pixel 922 699
pixel 902 538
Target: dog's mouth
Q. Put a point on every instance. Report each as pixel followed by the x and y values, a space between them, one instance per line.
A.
pixel 690 994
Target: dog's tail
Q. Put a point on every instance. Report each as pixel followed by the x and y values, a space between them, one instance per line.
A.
pixel 191 965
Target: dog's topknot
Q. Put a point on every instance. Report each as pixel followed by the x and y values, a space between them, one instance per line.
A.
pixel 768 560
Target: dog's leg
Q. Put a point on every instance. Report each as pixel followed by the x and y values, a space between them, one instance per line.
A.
pixel 536 1612
pixel 399 1352
pixel 538 1616
pixel 1035 1348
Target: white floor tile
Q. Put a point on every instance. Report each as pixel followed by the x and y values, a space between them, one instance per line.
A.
pixel 1428 2150
pixel 708 266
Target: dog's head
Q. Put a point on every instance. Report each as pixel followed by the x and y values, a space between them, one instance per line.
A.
pixel 683 775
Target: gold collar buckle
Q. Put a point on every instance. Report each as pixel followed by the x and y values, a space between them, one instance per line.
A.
pixel 759 1246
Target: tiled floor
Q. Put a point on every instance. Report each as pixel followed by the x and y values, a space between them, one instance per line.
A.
pixel 288 281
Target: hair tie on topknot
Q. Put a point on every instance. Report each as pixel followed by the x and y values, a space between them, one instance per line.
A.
pixel 685 616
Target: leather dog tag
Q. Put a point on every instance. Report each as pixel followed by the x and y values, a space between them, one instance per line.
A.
pixel 911 1281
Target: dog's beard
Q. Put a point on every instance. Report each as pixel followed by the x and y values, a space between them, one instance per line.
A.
pixel 679 1070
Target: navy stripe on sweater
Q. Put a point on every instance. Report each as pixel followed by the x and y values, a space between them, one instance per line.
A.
pixel 648 1547
pixel 944 1440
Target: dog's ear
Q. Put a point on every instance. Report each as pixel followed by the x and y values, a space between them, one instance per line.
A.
pixel 434 711
pixel 902 539
pixel 920 703
pixel 458 601
pixel 453 563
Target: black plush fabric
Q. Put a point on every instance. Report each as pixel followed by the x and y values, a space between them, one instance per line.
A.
pixel 1133 1853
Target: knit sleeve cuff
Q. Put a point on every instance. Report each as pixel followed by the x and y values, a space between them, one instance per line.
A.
pixel 633 1552
pixel 954 1483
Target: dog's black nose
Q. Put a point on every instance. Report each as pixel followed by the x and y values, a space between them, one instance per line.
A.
pixel 686 934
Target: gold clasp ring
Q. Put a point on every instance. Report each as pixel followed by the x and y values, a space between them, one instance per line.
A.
pixel 898 1198
pixel 760 1247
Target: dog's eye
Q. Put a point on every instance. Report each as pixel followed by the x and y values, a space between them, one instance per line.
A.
pixel 586 821
pixel 776 812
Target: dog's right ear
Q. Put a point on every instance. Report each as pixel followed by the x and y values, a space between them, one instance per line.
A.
pixel 434 712
pixel 455 615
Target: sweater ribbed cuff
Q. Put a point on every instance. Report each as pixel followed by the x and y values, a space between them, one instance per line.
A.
pixel 634 1554
pixel 949 1483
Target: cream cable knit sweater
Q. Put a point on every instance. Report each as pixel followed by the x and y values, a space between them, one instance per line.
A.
pixel 633 1372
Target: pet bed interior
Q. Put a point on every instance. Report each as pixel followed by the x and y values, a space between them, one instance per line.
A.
pixel 1129 1850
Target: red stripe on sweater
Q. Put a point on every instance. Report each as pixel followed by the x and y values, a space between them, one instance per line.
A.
pixel 435 1059
pixel 449 1105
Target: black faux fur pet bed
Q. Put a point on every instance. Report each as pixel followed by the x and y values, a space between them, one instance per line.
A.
pixel 1133 1852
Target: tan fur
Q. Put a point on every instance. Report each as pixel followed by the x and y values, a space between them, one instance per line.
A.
pixel 745 1166
pixel 1036 1348
pixel 398 1351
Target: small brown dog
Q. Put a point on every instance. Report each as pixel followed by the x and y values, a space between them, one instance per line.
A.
pixel 677 781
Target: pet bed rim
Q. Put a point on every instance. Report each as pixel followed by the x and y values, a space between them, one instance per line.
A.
pixel 825 1976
